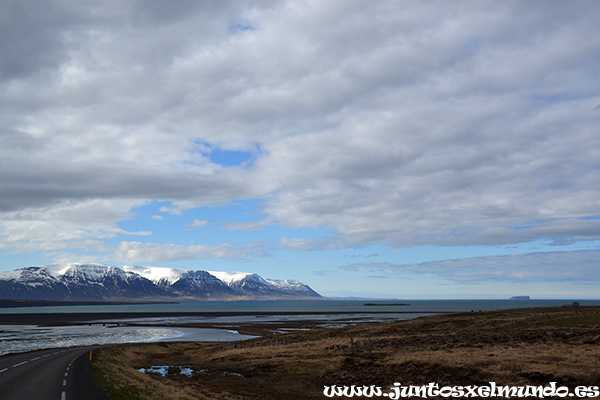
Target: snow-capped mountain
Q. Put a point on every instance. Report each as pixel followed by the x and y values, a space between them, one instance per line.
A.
pixel 245 282
pixel 103 282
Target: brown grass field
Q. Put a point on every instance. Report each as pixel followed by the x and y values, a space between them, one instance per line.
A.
pixel 515 347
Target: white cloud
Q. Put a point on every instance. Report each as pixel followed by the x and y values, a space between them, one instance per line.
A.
pixel 309 244
pixel 171 210
pixel 246 226
pixel 406 123
pixel 197 223
pixel 65 226
pixel 135 252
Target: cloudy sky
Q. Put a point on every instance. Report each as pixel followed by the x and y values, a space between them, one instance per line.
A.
pixel 390 149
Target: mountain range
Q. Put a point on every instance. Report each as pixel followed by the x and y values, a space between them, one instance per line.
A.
pixel 99 282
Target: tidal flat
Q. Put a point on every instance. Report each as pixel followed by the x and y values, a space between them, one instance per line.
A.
pixel 532 346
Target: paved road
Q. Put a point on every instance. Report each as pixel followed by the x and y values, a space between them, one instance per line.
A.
pixel 52 374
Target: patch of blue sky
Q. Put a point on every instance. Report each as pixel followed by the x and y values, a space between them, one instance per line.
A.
pixel 229 158
pixel 592 218
pixel 241 25
pixel 148 218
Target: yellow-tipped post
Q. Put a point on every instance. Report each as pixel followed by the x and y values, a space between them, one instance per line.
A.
pixel 90 355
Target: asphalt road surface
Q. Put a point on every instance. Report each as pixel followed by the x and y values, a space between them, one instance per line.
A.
pixel 51 374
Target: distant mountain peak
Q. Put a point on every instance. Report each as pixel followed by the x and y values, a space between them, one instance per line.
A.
pixel 90 281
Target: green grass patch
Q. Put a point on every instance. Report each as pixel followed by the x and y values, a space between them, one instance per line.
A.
pixel 106 372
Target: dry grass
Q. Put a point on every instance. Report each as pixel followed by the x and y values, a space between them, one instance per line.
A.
pixel 534 346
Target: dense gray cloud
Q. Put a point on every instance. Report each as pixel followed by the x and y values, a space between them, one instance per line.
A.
pixel 403 122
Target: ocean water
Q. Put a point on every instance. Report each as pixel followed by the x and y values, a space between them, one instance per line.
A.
pixel 308 306
pixel 329 312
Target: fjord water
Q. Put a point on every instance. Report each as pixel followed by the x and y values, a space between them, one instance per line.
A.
pixel 308 306
pixel 114 331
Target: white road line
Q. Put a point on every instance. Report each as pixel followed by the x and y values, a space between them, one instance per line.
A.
pixel 47 355
pixel 19 364
pixel 64 382
pixel 35 359
pixel 66 374
pixel 63 396
pixel 2 370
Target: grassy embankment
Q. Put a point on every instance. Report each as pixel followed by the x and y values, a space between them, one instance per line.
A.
pixel 516 347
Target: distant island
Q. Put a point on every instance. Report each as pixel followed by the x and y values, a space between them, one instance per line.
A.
pixel 520 298
pixel 387 304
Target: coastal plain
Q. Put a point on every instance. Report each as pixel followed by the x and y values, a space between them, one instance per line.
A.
pixel 533 346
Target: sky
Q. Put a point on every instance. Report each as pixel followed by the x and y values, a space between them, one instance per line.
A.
pixel 388 149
